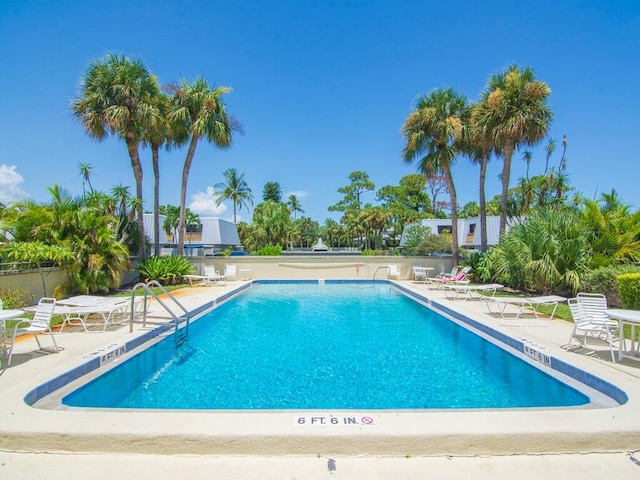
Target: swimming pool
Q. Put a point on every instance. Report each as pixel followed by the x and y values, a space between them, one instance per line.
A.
pixel 331 345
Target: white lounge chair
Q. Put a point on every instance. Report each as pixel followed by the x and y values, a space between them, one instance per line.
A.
pixel 230 271
pixel 394 272
pixel 459 278
pixel 455 290
pixel 210 277
pixel 524 303
pixel 585 323
pixel 40 323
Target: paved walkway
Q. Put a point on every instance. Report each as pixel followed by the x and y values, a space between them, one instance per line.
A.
pixel 107 445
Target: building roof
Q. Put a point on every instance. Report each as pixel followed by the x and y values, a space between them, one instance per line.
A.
pixel 215 232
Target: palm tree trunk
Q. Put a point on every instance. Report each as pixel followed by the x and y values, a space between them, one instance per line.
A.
pixel 156 198
pixel 454 214
pixel 183 193
pixel 506 172
pixel 132 147
pixel 483 204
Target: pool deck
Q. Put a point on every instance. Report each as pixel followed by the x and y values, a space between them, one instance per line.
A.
pixel 579 442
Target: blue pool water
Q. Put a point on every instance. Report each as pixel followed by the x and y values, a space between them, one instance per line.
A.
pixel 332 346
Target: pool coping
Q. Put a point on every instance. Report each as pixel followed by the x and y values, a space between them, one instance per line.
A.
pixel 383 433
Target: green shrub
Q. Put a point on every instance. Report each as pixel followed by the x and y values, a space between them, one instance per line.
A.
pixel 371 253
pixel 166 270
pixel 480 264
pixel 15 297
pixel 434 244
pixel 604 280
pixel 270 251
pixel 629 286
pixel 413 236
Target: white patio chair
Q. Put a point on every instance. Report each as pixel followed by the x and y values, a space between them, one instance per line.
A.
pixel 40 323
pixel 230 271
pixel 394 272
pixel 584 323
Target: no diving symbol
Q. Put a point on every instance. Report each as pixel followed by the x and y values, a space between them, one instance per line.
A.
pixel 366 420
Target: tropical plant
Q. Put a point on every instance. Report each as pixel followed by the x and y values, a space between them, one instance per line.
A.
pixel 85 170
pixel 547 252
pixel 117 98
pixel 294 205
pixel 100 259
pixel 271 224
pixel 479 147
pixel 235 189
pixel 272 192
pixel 156 135
pixel 614 230
pixel 167 270
pixel 513 111
pixel 198 112
pixel 433 133
pixel 171 219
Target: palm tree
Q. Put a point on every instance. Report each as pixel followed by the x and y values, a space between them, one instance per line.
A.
pixel 513 112
pixel 479 148
pixel 549 148
pixel 171 220
pixel 157 135
pixel 198 113
pixel 235 189
pixel 85 170
pixel 116 98
pixel 294 205
pixel 432 132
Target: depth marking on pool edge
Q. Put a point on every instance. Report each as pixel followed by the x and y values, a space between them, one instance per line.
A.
pixel 535 351
pixel 334 420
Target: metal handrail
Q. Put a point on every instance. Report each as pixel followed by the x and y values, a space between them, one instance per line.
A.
pixel 387 267
pixel 147 290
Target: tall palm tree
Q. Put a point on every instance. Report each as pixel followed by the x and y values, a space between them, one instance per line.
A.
pixel 294 205
pixel 198 112
pixel 514 112
pixel 85 170
pixel 116 98
pixel 433 131
pixel 479 148
pixel 235 189
pixel 157 135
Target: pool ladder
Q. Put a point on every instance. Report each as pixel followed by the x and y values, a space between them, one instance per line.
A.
pixel 384 267
pixel 181 334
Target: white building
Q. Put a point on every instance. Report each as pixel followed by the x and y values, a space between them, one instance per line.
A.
pixel 211 236
pixel 468 230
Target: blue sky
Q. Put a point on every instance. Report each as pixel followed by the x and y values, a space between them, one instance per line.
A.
pixel 321 88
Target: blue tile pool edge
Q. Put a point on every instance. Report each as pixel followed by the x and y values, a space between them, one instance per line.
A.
pixel 89 366
pixel 560 366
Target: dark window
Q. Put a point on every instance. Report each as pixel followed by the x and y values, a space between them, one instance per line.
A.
pixel 194 228
pixel 472 228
